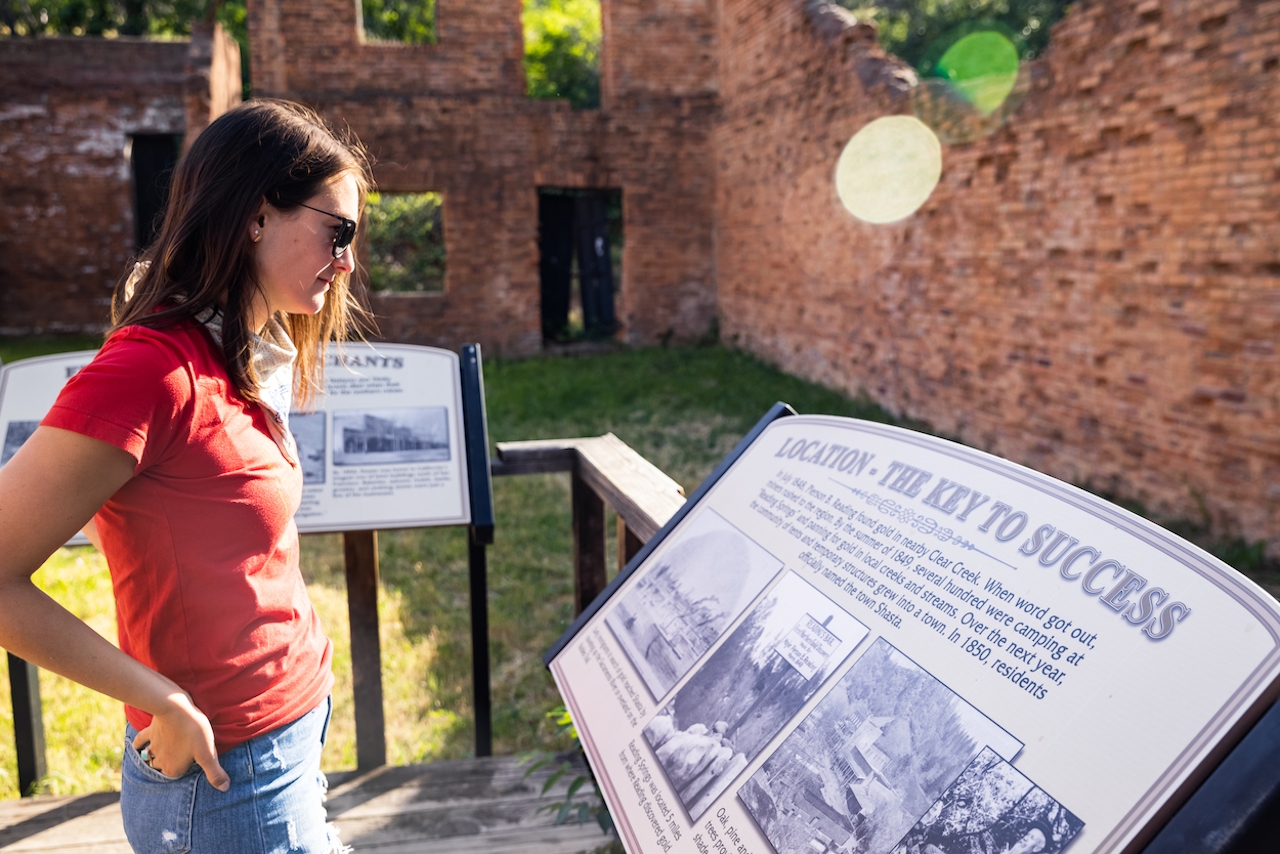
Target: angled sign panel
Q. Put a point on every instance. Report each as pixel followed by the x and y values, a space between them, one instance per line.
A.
pixel 864 639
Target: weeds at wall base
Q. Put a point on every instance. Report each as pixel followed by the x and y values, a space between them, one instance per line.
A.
pixel 1249 557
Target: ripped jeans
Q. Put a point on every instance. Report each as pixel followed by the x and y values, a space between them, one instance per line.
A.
pixel 275 804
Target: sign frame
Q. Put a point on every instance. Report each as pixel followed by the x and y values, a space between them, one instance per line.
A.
pixel 1254 729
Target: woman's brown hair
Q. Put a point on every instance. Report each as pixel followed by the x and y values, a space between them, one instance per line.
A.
pixel 202 258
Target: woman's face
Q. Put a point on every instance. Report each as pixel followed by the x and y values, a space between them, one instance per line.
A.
pixel 293 250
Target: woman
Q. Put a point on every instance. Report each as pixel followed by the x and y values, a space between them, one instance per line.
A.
pixel 172 451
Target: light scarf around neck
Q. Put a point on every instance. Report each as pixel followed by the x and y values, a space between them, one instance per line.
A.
pixel 272 354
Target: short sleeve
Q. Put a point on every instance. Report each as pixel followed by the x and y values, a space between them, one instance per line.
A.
pixel 136 394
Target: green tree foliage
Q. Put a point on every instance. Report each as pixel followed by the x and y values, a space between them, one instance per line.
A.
pixel 409 21
pixel 562 50
pixel 117 17
pixel 919 31
pixel 111 18
pixel 405 235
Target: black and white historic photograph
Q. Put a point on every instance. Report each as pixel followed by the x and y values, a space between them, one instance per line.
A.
pixel 992 809
pixel 15 434
pixel 872 758
pixel 309 435
pixel 746 691
pixel 375 437
pixel 681 607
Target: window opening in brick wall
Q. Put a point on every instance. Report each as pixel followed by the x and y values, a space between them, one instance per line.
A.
pixel 404 233
pixel 151 157
pixel 580 263
pixel 562 51
pixel 405 21
pixel 968 54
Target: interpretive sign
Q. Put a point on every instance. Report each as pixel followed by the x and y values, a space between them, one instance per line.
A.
pixel 398 439
pixel 862 639
pixel 28 389
pixel 383 447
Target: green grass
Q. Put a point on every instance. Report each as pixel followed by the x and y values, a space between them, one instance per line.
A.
pixel 84 730
pixel 682 408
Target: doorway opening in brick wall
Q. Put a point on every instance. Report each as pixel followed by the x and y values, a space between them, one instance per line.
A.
pixel 151 157
pixel 580 263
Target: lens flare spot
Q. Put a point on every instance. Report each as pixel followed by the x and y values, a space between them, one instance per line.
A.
pixel 983 68
pixel 950 115
pixel 889 169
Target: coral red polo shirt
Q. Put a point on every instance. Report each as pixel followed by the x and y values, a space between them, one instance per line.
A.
pixel 201 542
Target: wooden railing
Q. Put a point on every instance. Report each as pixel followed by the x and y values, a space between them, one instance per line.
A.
pixel 604 469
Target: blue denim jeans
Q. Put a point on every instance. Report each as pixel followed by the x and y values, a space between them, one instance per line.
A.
pixel 275 804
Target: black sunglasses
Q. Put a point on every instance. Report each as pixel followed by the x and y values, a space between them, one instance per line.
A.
pixel 345 234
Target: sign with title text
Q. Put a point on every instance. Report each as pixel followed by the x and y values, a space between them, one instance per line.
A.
pixel 28 389
pixel 382 447
pixel 864 639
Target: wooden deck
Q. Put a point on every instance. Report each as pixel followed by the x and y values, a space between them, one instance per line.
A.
pixel 475 806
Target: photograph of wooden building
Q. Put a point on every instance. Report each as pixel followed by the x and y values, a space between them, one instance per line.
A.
pixel 378 437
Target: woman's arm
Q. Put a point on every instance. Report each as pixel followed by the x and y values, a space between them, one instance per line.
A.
pixel 49 490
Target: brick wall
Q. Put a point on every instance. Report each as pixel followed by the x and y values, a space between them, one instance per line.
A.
pixel 453 117
pixel 67 109
pixel 1093 291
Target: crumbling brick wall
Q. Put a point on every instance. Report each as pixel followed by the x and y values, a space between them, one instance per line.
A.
pixel 67 110
pixel 1091 291
pixel 453 117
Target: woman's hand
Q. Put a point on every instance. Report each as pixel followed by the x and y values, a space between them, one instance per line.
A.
pixel 179 735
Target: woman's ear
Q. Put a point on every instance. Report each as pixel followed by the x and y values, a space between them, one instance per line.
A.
pixel 258 222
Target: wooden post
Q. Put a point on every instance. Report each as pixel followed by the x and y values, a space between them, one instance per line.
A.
pixel 480 647
pixel 628 544
pixel 361 552
pixel 589 576
pixel 28 722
